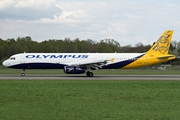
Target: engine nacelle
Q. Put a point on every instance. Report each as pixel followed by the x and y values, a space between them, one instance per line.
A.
pixel 74 70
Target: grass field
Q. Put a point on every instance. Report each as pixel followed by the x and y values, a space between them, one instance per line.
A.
pixel 89 100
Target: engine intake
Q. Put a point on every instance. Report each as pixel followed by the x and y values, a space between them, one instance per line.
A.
pixel 74 70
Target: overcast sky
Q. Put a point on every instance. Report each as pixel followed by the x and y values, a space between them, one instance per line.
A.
pixel 126 21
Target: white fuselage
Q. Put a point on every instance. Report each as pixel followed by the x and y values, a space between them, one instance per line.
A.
pixel 59 60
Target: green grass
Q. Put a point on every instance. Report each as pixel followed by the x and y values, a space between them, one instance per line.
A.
pixel 89 100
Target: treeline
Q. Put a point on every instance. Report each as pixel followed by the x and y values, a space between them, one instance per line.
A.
pixel 26 44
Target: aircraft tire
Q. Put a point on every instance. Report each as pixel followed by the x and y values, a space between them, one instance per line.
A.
pixel 22 74
pixel 89 74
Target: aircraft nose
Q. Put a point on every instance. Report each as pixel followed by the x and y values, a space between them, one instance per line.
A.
pixel 5 63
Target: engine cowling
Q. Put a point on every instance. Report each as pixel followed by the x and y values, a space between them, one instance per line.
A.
pixel 74 70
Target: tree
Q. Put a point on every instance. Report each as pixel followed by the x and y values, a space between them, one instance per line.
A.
pixel 108 45
pixel 173 47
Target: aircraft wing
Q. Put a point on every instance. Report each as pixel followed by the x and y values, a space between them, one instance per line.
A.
pixel 95 64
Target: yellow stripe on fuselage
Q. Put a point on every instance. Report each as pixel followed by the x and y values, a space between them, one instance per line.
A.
pixel 148 59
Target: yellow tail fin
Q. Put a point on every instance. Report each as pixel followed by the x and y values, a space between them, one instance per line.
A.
pixel 163 44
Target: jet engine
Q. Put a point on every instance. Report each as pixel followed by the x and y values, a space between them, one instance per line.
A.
pixel 74 70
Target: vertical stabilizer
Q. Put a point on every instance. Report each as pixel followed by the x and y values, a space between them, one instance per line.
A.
pixel 163 44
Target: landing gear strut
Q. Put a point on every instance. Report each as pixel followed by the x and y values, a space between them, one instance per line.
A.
pixel 23 72
pixel 89 74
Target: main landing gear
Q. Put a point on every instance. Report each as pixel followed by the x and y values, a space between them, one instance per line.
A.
pixel 23 73
pixel 89 74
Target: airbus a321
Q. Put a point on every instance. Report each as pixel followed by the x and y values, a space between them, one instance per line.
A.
pixel 79 63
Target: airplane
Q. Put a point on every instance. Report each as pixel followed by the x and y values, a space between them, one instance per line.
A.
pixel 79 63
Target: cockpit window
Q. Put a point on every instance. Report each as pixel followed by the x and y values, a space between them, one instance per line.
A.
pixel 12 58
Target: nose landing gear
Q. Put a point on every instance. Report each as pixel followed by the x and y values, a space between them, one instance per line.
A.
pixel 23 73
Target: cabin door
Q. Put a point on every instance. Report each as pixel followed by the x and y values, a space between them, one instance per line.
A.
pixel 22 58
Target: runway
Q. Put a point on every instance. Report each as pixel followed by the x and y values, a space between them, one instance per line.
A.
pixel 83 77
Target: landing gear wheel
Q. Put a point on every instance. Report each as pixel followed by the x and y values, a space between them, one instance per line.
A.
pixel 89 74
pixel 22 74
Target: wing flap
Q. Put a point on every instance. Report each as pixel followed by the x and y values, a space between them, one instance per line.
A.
pixel 95 64
pixel 85 63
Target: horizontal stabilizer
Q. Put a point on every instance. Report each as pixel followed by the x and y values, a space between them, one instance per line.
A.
pixel 165 56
